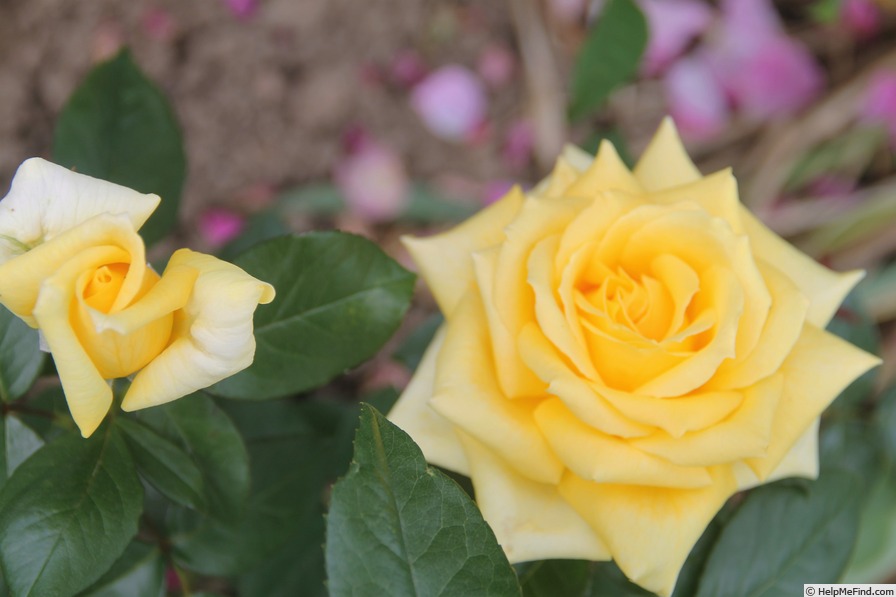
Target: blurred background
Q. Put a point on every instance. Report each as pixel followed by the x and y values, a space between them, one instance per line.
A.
pixel 404 116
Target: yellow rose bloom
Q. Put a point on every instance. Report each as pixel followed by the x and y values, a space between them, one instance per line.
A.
pixel 622 351
pixel 73 266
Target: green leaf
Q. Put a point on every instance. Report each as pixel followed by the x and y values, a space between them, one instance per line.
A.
pixel 201 429
pixel 609 57
pixel 825 11
pixel 139 572
pixel 429 207
pixel 399 527
pixel 782 536
pixel 592 145
pixel 20 356
pixel 68 513
pixel 854 325
pixel 18 442
pixel 119 127
pixel 260 227
pixel 548 578
pixel 296 450
pixel 321 200
pixel 339 298
pixel 164 464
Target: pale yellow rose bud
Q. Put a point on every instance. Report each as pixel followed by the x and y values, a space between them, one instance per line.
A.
pixel 73 265
pixel 622 351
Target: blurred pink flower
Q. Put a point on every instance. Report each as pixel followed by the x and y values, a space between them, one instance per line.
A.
pixel 372 179
pixel 831 185
pixel 407 68
pixel 218 226
pixel 879 105
pixel 695 99
pixel 159 24
pixel 673 24
pixel 862 17
pixel 496 65
pixel 242 9
pixel 764 72
pixel 519 142
pixel 451 102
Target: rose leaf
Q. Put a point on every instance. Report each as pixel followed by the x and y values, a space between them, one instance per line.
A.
pixel 139 572
pixel 119 127
pixel 67 513
pixel 399 527
pixel 20 356
pixel 782 535
pixel 339 298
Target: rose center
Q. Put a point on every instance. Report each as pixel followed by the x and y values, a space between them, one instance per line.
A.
pixel 104 286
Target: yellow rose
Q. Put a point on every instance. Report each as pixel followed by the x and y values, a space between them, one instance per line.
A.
pixel 73 266
pixel 622 351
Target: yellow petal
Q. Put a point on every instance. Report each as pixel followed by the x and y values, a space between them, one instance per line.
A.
pixel 820 366
pixel 530 520
pixel 212 336
pixel 746 432
pixel 665 163
pixel 716 194
pixel 467 393
pixel 513 299
pixel 675 416
pixel 824 288
pixel 87 393
pixel 559 180
pixel 578 395
pixel 444 259
pixel 432 432
pixel 46 200
pixel 21 277
pixel 596 456
pixel 800 461
pixel 607 172
pixel 781 331
pixel 650 530
pixel 550 316
pixel 514 377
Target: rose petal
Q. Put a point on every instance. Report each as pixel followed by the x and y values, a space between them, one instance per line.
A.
pixel 665 163
pixel 530 520
pixel 451 102
pixel 46 200
pixel 650 530
pixel 433 433
pixel 672 24
pixel 695 98
pixel 444 259
pixel 212 336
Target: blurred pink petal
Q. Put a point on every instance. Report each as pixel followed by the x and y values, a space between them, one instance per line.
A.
pixel 831 185
pixel 494 190
pixel 695 99
pixel 159 24
pixel 672 25
pixel 496 65
pixel 407 68
pixel 764 72
pixel 218 226
pixel 242 9
pixel 373 181
pixel 451 102
pixel 518 145
pixel 778 79
pixel 879 106
pixel 862 17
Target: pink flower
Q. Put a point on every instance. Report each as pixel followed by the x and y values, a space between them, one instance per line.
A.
pixel 451 102
pixel 879 105
pixel 695 99
pixel 518 145
pixel 242 9
pixel 764 72
pixel 496 65
pixel 407 68
pixel 673 24
pixel 159 24
pixel 372 179
pixel 218 226
pixel 862 17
